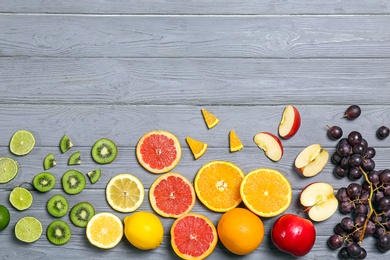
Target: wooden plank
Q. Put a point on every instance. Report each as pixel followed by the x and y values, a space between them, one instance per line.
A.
pixel 199 7
pixel 194 81
pixel 284 37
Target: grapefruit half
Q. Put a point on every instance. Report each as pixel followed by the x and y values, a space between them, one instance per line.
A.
pixel 172 195
pixel 158 151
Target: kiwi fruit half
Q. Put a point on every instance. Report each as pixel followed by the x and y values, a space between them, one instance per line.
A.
pixel 49 162
pixel 81 213
pixel 74 159
pixel 44 181
pixel 73 182
pixel 57 206
pixel 104 151
pixel 58 232
pixel 94 175
pixel 65 144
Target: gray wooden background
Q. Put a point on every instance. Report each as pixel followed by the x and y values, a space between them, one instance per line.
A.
pixel 120 68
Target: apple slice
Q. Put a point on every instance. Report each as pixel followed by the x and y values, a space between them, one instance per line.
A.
pixel 290 123
pixel 312 160
pixel 270 144
pixel 319 200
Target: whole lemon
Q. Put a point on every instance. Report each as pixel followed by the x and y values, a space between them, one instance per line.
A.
pixel 4 217
pixel 144 230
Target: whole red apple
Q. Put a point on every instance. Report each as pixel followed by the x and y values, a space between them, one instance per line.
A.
pixel 293 234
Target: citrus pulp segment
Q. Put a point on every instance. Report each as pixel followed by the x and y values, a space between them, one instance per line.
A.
pixel 266 192
pixel 210 119
pixel 235 143
pixel 22 142
pixel 125 193
pixel 193 236
pixel 104 230
pixel 172 195
pixel 20 198
pixel 158 151
pixel 197 148
pixel 28 229
pixel 217 185
pixel 8 169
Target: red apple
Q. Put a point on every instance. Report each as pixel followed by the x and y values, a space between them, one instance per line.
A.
pixel 290 123
pixel 270 144
pixel 293 234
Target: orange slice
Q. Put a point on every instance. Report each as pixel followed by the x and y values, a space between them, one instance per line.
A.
pixel 234 142
pixel 172 195
pixel 125 193
pixel 193 236
pixel 217 185
pixel 209 118
pixel 158 151
pixel 197 148
pixel 104 230
pixel 266 192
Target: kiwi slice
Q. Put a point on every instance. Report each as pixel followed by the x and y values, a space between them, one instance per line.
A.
pixel 74 159
pixel 73 182
pixel 44 181
pixel 81 213
pixel 57 206
pixel 49 162
pixel 94 175
pixel 104 151
pixel 65 144
pixel 58 232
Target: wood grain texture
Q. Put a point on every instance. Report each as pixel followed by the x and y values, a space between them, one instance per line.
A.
pixel 191 36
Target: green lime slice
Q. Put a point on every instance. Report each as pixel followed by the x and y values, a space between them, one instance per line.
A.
pixel 20 198
pixel 22 142
pixel 8 169
pixel 28 229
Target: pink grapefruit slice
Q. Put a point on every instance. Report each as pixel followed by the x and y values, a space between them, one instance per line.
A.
pixel 172 195
pixel 193 236
pixel 158 151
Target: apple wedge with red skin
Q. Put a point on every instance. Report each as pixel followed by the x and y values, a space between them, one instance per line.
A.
pixel 293 234
pixel 290 123
pixel 270 144
pixel 319 200
pixel 311 160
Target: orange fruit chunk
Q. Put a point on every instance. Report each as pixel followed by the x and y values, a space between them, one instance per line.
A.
pixel 266 192
pixel 193 236
pixel 172 195
pixel 209 118
pixel 240 231
pixel 104 230
pixel 217 185
pixel 158 151
pixel 235 143
pixel 197 148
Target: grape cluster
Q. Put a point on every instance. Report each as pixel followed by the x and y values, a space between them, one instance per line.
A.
pixel 367 203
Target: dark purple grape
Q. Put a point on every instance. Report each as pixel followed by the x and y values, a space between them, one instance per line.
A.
pixel 386 214
pixel 383 132
pixel 360 219
pixel 370 153
pixel 376 218
pixel 386 190
pixel 364 196
pixel 370 228
pixel 373 176
pixel 364 143
pixel 357 234
pixel 384 239
pixel 355 173
pixel 354 138
pixel 366 187
pixel 340 171
pixel 343 253
pixel 355 160
pixel 347 223
pixel 344 149
pixel 359 149
pixel 339 230
pixel 335 241
pixel 384 176
pixel 346 207
pixel 379 231
pixel 378 195
pixel 361 209
pixel 354 249
pixel 345 163
pixel 363 254
pixel 383 248
pixel 342 194
pixel 335 132
pixel 368 165
pixel 336 158
pixel 354 190
pixel 384 203
pixel 352 112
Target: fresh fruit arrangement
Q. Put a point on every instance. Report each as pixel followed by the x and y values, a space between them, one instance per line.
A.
pixel 242 200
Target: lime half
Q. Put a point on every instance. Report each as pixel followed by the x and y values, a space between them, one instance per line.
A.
pixel 20 198
pixel 28 229
pixel 8 169
pixel 4 217
pixel 22 142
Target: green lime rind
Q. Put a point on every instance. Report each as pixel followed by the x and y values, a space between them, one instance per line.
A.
pixel 22 142
pixel 4 217
pixel 28 229
pixel 20 198
pixel 8 169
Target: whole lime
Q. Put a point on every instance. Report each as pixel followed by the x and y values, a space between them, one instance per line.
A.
pixel 4 217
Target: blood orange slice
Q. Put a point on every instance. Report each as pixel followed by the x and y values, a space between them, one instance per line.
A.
pixel 193 236
pixel 172 195
pixel 158 151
